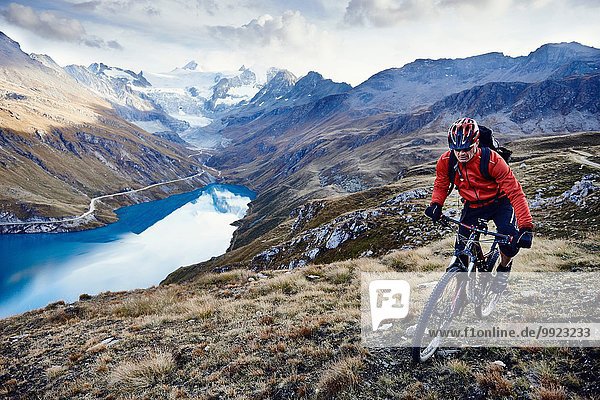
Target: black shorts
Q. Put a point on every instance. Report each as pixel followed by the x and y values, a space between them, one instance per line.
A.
pixel 503 215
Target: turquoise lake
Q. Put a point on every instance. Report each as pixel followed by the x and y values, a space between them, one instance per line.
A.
pixel 149 241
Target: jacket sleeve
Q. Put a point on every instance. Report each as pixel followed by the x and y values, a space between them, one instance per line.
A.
pixel 442 181
pixel 509 184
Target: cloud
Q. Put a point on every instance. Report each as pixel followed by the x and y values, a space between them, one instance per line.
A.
pixel 288 29
pixel 50 25
pixel 46 24
pixel 113 44
pixel 384 13
pixel 87 5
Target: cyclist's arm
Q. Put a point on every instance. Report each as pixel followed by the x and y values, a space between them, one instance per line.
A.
pixel 442 181
pixel 509 184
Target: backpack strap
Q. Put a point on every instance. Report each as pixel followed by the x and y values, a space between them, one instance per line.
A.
pixel 452 165
pixel 484 166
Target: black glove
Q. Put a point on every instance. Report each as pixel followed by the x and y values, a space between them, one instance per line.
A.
pixel 525 238
pixel 434 211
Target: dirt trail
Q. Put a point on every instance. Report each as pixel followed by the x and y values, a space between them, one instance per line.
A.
pixel 581 157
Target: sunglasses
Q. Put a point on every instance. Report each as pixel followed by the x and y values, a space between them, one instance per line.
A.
pixel 467 150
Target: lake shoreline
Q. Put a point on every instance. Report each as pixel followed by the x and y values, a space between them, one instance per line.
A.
pixel 105 213
pixel 149 241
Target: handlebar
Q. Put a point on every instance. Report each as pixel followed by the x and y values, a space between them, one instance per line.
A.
pixel 446 219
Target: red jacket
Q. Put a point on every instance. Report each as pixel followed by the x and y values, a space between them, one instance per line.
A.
pixel 475 189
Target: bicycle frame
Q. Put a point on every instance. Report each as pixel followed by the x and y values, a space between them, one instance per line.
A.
pixel 475 259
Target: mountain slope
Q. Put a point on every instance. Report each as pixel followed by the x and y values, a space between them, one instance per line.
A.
pixel 274 333
pixel 61 144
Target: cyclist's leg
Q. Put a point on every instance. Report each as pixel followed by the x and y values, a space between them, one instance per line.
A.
pixel 504 218
pixel 468 216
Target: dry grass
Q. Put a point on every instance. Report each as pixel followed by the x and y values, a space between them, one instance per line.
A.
pixel 3 365
pixel 552 392
pixel 459 367
pixel 55 371
pixel 200 308
pixel 102 363
pixel 341 376
pixel 280 336
pixel 557 255
pixel 545 255
pixel 236 276
pixel 340 274
pixel 428 258
pixel 287 283
pixel 134 376
pixel 492 381
pixel 149 303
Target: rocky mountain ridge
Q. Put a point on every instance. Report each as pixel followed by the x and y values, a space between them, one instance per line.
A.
pixel 361 138
pixel 429 81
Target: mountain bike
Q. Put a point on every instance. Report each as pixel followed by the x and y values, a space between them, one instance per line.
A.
pixel 468 279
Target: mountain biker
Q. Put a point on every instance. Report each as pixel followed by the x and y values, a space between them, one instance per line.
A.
pixel 501 199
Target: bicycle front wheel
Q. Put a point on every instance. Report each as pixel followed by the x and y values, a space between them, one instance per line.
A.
pixel 445 302
pixel 487 300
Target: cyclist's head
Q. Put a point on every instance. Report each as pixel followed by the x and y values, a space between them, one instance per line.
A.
pixel 463 138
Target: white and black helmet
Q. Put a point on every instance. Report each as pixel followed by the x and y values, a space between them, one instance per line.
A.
pixel 463 134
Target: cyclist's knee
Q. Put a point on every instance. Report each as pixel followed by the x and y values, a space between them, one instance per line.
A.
pixel 509 250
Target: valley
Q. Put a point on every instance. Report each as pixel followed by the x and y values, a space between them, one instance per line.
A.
pixel 342 175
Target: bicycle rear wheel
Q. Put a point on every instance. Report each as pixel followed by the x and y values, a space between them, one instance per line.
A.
pixel 443 305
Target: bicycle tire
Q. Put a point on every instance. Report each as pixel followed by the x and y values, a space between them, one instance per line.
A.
pixel 419 355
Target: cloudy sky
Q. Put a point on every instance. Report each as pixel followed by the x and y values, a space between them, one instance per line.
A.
pixel 346 40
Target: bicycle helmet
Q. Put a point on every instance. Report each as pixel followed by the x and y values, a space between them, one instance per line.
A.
pixel 463 134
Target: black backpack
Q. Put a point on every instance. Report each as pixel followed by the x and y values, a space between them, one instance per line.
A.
pixel 487 142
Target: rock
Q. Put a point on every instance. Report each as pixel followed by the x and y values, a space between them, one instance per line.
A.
pixel 447 352
pixel 410 195
pixel 312 253
pixel 578 193
pixel 581 190
pixel 305 213
pixel 110 341
pixel 530 293
pixel 499 363
pixel 337 237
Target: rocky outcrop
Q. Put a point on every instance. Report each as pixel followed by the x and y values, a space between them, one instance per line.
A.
pixel 308 245
pixel 305 213
pixel 580 193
